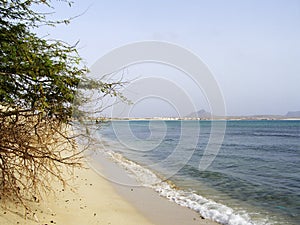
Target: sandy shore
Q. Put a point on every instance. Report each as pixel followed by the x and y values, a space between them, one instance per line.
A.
pixel 95 200
pixel 91 201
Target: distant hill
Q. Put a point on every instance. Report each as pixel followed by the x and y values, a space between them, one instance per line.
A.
pixel 199 114
pixel 293 114
pixel 202 114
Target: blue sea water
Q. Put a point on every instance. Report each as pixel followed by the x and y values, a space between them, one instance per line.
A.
pixel 254 178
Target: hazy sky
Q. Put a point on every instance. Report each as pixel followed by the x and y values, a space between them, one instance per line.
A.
pixel 252 47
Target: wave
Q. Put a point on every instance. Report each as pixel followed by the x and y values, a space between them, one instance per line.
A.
pixel 207 208
pixel 269 134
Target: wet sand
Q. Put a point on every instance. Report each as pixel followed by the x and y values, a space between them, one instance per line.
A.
pixel 94 197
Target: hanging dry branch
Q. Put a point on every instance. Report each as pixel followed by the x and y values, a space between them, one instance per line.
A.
pixel 32 154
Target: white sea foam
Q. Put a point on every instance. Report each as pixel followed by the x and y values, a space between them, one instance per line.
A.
pixel 207 208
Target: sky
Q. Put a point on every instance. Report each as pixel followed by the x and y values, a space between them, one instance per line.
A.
pixel 252 48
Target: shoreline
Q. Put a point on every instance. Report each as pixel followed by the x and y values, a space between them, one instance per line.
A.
pixel 235 199
pixel 157 209
pixel 92 199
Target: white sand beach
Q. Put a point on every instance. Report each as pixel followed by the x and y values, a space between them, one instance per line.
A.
pixel 92 199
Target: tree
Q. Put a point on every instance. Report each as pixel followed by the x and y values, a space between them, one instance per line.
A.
pixel 36 74
pixel 38 82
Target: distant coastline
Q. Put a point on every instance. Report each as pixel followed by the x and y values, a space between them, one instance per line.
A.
pixel 228 118
pixel 207 116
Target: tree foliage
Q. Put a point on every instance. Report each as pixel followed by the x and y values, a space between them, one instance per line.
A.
pixel 38 83
pixel 36 74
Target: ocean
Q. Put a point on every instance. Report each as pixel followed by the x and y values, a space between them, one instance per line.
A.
pixel 254 178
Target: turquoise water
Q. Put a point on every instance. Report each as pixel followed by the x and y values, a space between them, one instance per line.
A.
pixel 254 178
